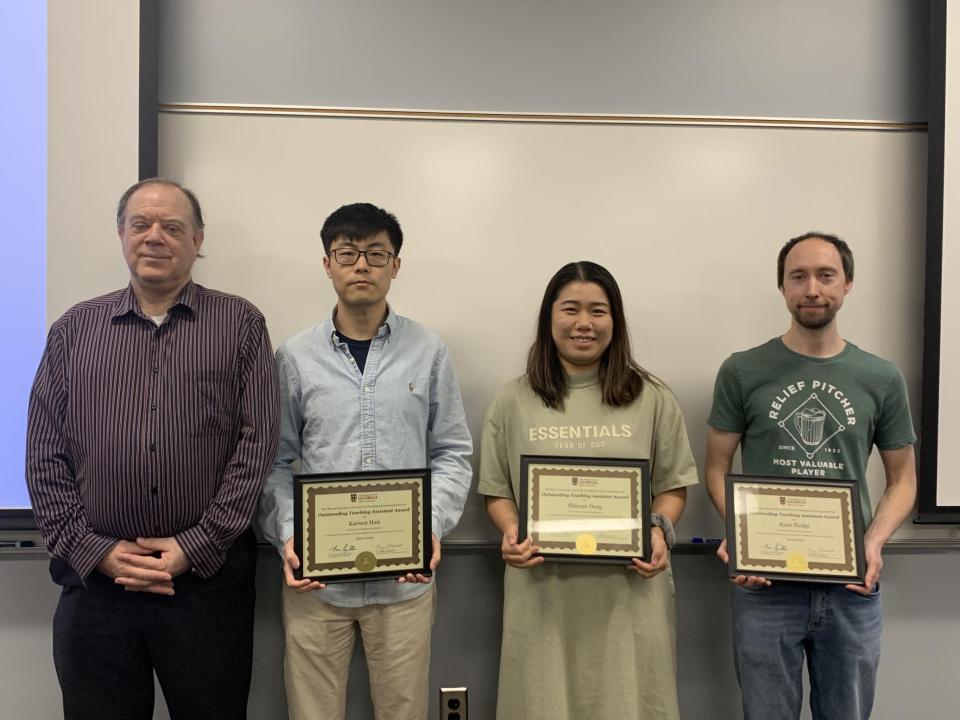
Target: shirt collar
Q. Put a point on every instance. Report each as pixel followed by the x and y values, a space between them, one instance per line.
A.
pixel 127 302
pixel 329 330
pixel 583 379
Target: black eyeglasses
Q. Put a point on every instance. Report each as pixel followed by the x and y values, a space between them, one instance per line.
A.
pixel 349 256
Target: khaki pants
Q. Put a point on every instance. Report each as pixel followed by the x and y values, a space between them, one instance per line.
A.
pixel 319 645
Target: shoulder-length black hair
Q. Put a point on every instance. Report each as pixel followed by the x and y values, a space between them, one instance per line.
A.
pixel 621 378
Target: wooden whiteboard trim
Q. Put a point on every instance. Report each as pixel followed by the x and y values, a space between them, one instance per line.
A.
pixel 518 117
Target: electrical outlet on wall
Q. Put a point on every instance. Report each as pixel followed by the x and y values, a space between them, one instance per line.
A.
pixel 453 703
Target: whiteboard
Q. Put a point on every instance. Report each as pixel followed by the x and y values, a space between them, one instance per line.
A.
pixel 688 218
pixel 947 416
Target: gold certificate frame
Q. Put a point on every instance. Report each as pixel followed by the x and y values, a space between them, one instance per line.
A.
pixel 592 510
pixel 807 530
pixel 362 525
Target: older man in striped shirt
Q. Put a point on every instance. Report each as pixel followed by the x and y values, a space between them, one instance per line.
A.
pixel 153 421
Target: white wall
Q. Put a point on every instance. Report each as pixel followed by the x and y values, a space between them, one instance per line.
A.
pixel 93 124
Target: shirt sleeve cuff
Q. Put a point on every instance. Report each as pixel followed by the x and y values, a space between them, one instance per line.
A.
pixel 437 527
pixel 204 557
pixel 89 552
pixel 286 532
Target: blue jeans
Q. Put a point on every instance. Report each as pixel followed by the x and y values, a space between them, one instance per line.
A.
pixel 837 629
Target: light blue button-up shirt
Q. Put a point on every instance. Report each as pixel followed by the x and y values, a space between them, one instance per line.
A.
pixel 404 411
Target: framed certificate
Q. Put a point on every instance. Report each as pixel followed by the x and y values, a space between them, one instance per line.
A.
pixel 362 525
pixel 809 530
pixel 593 510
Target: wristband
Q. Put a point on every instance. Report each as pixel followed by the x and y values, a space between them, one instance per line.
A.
pixel 664 523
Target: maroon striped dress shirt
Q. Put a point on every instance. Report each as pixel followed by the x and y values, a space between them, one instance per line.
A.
pixel 139 430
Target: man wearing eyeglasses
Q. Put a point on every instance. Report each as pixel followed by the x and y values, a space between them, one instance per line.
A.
pixel 365 389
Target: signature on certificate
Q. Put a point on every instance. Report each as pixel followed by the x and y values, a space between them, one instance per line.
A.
pixel 346 547
pixel 776 547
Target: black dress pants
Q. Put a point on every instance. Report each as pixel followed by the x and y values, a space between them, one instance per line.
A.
pixel 108 643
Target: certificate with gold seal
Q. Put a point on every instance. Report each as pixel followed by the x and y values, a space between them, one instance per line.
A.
pixel 580 509
pixel 809 530
pixel 362 525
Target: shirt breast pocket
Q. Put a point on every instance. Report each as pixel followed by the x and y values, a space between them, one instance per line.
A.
pixel 211 402
pixel 412 395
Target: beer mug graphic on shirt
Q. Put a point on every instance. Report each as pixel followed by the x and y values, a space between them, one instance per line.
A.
pixel 809 422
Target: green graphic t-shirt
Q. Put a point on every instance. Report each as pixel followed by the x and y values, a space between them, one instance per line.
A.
pixel 808 417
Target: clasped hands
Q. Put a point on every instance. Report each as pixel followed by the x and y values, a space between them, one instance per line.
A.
pixel 146 565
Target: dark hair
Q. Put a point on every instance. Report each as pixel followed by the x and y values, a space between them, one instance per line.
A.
pixel 621 378
pixel 125 198
pixel 359 221
pixel 846 254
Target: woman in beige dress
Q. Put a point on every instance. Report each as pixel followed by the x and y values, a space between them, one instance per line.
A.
pixel 586 640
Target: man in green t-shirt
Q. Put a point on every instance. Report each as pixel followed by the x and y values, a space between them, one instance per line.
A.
pixel 809 404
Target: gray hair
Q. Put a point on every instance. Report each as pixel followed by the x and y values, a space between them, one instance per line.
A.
pixel 125 198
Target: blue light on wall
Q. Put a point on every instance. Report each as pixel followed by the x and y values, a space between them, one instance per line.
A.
pixel 23 208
